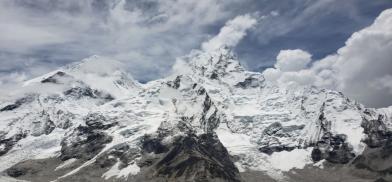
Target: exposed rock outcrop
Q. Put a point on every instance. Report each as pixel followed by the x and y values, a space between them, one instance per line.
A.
pixel 333 148
pixel 191 158
pixel 83 143
pixel 7 143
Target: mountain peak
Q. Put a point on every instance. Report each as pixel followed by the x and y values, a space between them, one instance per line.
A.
pixel 211 64
pixel 98 72
pixel 96 65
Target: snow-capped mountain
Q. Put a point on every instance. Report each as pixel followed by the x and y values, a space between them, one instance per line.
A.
pixel 97 72
pixel 210 120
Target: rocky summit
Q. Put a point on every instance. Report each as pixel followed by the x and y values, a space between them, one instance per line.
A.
pixel 210 120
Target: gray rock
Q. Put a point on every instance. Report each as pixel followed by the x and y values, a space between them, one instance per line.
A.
pixel 43 125
pixel 55 78
pixel 249 82
pixel 8 143
pixel 83 143
pixel 377 132
pixel 333 148
pixel 98 121
pixel 270 141
pixel 80 92
pixel 121 152
pixel 192 158
pixel 18 103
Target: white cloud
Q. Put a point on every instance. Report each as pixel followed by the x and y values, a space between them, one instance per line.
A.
pixel 299 78
pixel 290 69
pixel 14 77
pixel 384 83
pixel 272 74
pixel 274 13
pixel 362 69
pixel 231 33
pixel 292 60
pixel 146 35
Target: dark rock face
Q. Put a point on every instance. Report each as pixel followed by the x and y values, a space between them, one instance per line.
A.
pixel 8 143
pixel 249 82
pixel 83 143
pixel 273 129
pixel 65 118
pixel 332 173
pixel 190 158
pixel 377 156
pixel 49 127
pixel 279 148
pixel 43 125
pixel 214 75
pixel 209 122
pixel 377 133
pixel 79 92
pixel 18 103
pixel 381 180
pixel 376 159
pixel 10 107
pixel 55 78
pixel 98 121
pixel 175 83
pixel 333 148
pixel 121 152
pixel 277 130
pixel 39 170
pixel 201 91
pixel 153 145
pixel 16 172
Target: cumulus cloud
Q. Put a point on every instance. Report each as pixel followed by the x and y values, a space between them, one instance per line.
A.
pixel 290 68
pixel 231 33
pixel 361 69
pixel 292 60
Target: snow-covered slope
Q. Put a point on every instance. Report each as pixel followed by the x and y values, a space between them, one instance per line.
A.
pixel 211 119
pixel 97 72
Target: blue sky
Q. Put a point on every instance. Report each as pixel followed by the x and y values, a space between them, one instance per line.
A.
pixel 40 35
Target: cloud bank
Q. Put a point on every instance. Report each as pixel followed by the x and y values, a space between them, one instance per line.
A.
pixel 38 36
pixel 362 69
pixel 147 35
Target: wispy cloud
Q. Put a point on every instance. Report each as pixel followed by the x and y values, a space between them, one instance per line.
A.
pixel 231 33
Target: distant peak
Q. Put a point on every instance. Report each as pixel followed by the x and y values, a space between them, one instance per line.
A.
pixel 96 64
pixel 98 72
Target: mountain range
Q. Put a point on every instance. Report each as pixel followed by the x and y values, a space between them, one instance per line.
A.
pixel 209 120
